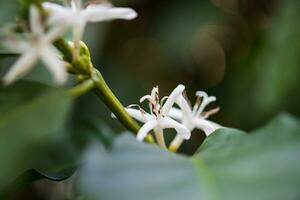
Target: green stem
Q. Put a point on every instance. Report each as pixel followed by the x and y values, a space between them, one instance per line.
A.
pixel 104 92
pixel 82 88
pixel 101 89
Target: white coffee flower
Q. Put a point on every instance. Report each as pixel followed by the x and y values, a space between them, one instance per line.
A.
pixel 76 16
pixel 158 118
pixel 194 117
pixel 36 45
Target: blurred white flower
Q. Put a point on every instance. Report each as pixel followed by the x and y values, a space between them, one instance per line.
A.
pixel 194 117
pixel 77 17
pixel 158 118
pixel 36 45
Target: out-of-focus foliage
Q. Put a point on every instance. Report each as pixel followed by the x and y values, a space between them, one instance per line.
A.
pixel 266 78
pixel 32 115
pixel 229 165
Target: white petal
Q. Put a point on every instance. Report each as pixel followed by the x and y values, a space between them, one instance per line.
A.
pixel 172 98
pixel 185 107
pixel 35 21
pixel 21 67
pixel 104 12
pixel 201 94
pixel 16 46
pixel 145 129
pixel 59 14
pixel 76 5
pixel 205 101
pixel 51 60
pixel 207 126
pixel 54 8
pixel 167 122
pixel 175 113
pixel 54 33
pixel 138 115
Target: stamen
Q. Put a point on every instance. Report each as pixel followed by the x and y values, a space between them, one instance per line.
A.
pixel 197 105
pixel 153 110
pixel 156 90
pixel 205 101
pixel 139 107
pixel 207 114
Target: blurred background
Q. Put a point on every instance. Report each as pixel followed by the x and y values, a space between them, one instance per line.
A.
pixel 244 52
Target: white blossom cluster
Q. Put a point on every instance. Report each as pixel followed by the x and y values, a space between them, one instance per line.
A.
pixel 175 112
pixel 37 44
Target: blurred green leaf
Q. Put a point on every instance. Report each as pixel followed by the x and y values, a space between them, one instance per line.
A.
pixel 31 115
pixel 8 11
pixel 58 160
pixel 32 175
pixel 229 165
pixel 92 128
pixel 267 75
pixel 262 165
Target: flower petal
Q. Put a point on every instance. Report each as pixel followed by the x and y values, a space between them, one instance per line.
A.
pixel 104 12
pixel 146 128
pixel 51 60
pixel 172 98
pixel 138 115
pixel 207 126
pixel 176 114
pixel 58 13
pixel 15 45
pixel 35 21
pixel 54 33
pixel 167 122
pixel 185 107
pixel 54 8
pixel 205 101
pixel 21 66
pixel 76 5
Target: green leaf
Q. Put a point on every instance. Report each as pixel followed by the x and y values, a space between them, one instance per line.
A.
pixel 32 175
pixel 92 128
pixel 58 161
pixel 262 165
pixel 8 10
pixel 133 170
pixel 267 75
pixel 31 116
pixel 229 165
